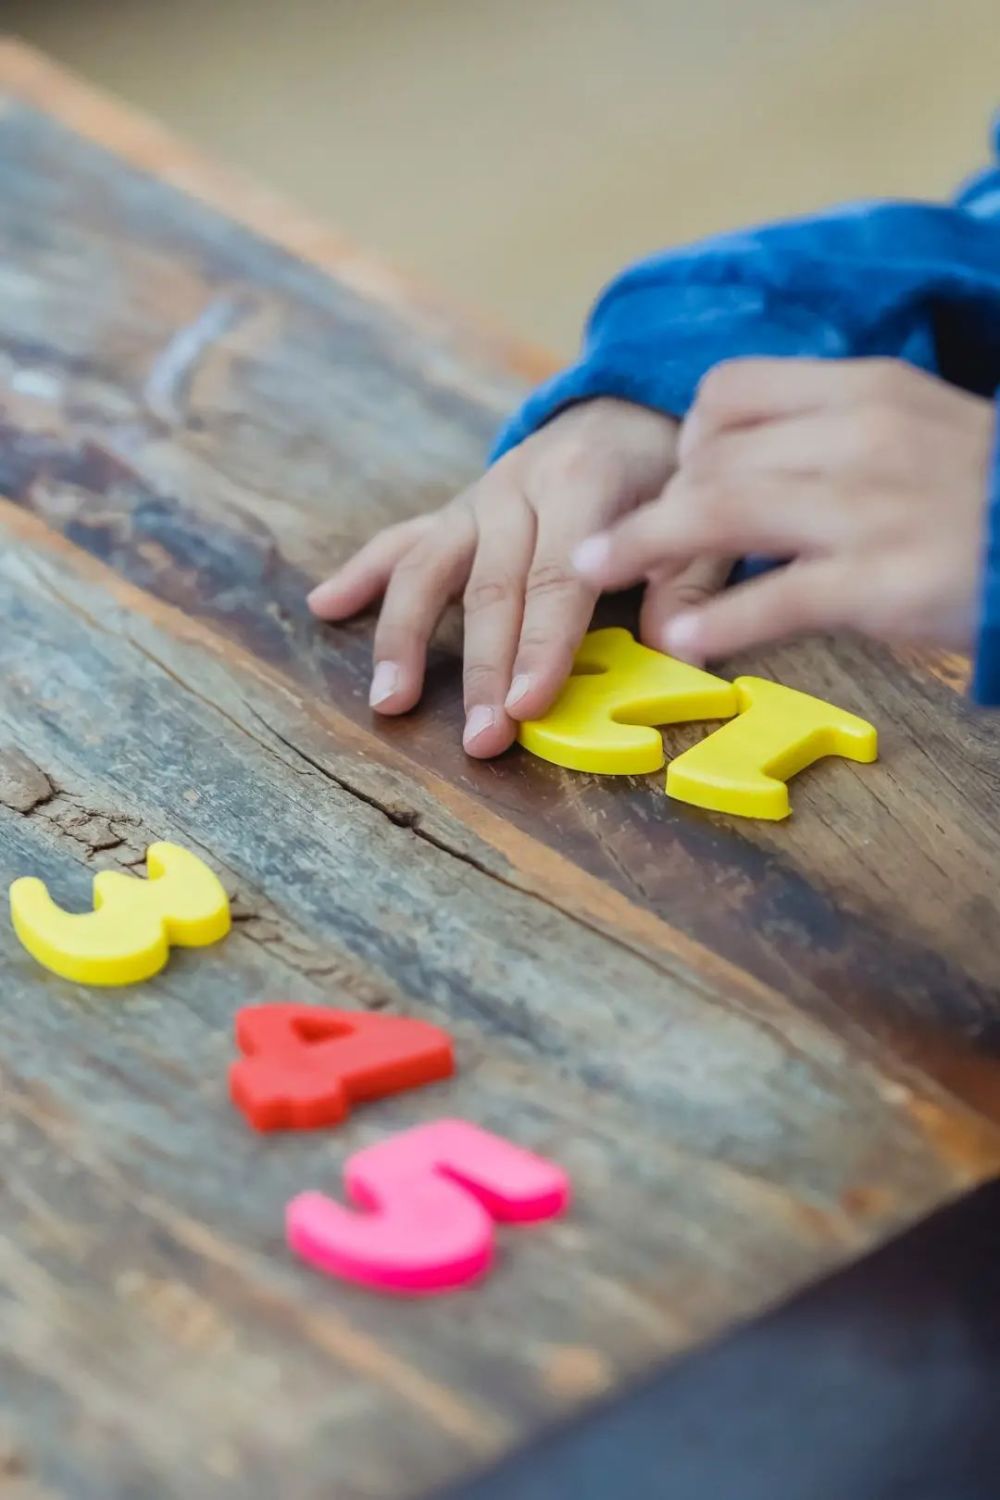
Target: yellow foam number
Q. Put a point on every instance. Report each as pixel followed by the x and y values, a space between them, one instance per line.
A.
pixel 742 767
pixel 602 719
pixel 127 937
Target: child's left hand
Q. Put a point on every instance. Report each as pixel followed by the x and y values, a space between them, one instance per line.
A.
pixel 870 476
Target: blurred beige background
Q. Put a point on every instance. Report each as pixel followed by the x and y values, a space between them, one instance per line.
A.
pixel 517 153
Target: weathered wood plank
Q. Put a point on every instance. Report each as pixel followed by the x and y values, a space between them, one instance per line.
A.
pixel 684 1111
pixel 758 1051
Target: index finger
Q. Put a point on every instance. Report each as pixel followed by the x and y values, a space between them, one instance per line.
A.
pixel 761 514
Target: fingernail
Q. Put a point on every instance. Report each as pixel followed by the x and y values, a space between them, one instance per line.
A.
pixel 681 635
pixel 385 681
pixel 519 688
pixel 590 556
pixel 480 719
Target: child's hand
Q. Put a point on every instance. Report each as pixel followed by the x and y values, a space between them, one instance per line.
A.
pixel 507 543
pixel 869 475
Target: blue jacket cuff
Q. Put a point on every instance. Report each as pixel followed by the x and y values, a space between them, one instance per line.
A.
pixel 664 390
pixel 986 674
pixel 653 344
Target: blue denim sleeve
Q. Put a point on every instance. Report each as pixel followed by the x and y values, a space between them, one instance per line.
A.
pixel 986 673
pixel 912 281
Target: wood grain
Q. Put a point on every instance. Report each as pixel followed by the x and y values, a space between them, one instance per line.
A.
pixel 757 1050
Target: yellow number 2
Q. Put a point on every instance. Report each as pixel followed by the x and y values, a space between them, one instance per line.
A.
pixel 128 935
pixel 603 719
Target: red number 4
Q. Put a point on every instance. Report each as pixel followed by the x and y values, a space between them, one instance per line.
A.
pixel 305 1065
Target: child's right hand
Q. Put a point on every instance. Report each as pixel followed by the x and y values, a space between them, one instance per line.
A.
pixel 506 542
pixel 869 477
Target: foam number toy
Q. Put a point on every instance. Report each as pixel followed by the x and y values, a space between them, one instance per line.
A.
pixel 742 767
pixel 128 935
pixel 430 1197
pixel 304 1065
pixel 602 720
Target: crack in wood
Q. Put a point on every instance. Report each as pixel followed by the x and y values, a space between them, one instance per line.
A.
pixel 411 820
pixel 98 830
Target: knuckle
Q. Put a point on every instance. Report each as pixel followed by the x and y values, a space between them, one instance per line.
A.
pixel 533 638
pixel 550 578
pixel 479 676
pixel 483 594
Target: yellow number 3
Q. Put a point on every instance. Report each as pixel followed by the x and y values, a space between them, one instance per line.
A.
pixel 129 933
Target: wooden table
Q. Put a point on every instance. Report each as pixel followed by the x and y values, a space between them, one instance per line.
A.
pixel 758 1049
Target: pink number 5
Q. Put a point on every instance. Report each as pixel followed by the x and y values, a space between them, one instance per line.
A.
pixel 432 1195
